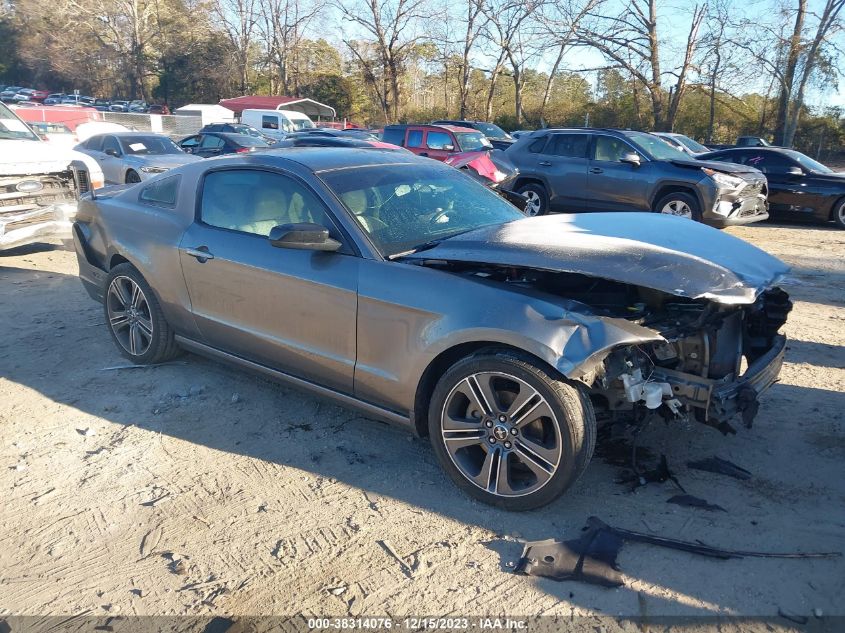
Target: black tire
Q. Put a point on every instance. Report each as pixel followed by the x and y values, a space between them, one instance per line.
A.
pixel 679 198
pixel 536 193
pixel 132 177
pixel 573 417
pixel 838 214
pixel 156 347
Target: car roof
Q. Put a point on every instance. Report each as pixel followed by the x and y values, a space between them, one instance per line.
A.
pixel 451 128
pixel 131 133
pixel 321 159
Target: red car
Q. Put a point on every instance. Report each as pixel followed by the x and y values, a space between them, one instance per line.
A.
pixel 436 141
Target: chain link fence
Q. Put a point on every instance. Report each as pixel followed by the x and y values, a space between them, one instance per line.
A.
pixel 173 125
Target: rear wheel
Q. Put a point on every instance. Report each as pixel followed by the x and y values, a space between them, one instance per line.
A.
pixel 838 215
pixel 679 204
pixel 508 432
pixel 132 176
pixel 135 320
pixel 537 200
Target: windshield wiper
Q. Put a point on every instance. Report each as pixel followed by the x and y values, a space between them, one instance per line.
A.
pixel 416 249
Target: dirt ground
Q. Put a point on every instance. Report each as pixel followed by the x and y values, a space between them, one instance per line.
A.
pixel 195 489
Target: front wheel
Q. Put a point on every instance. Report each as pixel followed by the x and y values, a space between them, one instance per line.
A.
pixel 838 215
pixel 679 204
pixel 135 320
pixel 508 432
pixel 537 200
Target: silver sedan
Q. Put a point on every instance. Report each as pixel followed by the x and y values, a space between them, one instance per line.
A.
pixel 129 157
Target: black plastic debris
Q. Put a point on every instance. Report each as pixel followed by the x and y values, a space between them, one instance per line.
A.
pixel 720 466
pixel 695 502
pixel 592 558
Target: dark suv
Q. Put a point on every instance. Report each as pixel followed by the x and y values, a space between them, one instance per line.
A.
pixel 498 138
pixel 586 169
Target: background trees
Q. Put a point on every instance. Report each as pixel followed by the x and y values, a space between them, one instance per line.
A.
pixel 710 68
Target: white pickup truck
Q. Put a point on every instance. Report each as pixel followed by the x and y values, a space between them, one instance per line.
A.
pixel 40 184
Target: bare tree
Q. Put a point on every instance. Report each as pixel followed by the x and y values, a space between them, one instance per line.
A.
pixel 282 27
pixel 239 19
pixel 387 23
pixel 510 29
pixel 561 28
pixel 631 40
pixel 828 23
pixel 474 22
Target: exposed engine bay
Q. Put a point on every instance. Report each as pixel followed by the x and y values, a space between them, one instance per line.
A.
pixel 713 359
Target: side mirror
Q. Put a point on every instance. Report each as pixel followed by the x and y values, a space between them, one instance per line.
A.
pixel 631 158
pixel 449 148
pixel 303 236
pixel 795 171
pixel 111 152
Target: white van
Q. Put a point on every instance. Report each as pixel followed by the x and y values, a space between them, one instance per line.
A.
pixel 276 123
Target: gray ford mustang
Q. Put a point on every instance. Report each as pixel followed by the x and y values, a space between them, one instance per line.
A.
pixel 402 287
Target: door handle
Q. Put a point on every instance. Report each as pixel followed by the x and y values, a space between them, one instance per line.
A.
pixel 201 253
pixel 424 154
pixel 596 170
pixel 545 163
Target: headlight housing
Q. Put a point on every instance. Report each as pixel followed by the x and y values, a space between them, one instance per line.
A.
pixel 153 170
pixel 724 181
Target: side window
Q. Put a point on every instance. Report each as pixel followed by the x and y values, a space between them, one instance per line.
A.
pixel 415 138
pixel 95 143
pixel 270 122
pixel 161 193
pixel 570 145
pixel 110 143
pixel 394 136
pixel 212 142
pixel 191 141
pixel 254 201
pixel 537 146
pixel 768 163
pixel 611 149
pixel 438 140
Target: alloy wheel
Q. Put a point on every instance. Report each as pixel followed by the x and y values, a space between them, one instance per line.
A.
pixel 501 434
pixel 678 208
pixel 534 204
pixel 129 315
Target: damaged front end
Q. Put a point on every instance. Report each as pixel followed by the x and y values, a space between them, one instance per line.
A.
pixel 713 362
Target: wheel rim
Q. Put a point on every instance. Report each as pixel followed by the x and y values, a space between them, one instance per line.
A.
pixel 501 434
pixel 129 316
pixel 133 177
pixel 534 204
pixel 841 214
pixel 678 208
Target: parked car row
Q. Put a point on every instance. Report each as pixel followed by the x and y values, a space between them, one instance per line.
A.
pixel 19 94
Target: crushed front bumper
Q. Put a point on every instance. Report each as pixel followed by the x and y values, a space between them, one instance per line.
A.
pixel 18 229
pixel 729 211
pixel 717 401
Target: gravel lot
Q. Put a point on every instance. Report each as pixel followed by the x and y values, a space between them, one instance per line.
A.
pixel 194 489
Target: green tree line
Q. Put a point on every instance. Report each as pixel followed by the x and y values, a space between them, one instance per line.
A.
pixel 712 70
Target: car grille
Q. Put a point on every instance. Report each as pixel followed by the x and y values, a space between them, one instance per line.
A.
pixel 55 188
pixel 35 219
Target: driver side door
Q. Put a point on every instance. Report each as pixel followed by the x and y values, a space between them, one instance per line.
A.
pixel 614 185
pixel 291 310
pixel 111 161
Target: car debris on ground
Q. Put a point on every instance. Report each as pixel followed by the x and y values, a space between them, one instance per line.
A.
pixel 591 558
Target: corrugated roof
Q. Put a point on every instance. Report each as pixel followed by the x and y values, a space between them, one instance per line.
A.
pixel 258 102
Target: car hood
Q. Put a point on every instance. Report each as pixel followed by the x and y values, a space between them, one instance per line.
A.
pixel 40 157
pixel 662 252
pixel 727 168
pixel 837 177
pixel 168 161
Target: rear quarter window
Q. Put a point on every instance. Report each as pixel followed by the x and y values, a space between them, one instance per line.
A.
pixel 395 136
pixel 161 193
